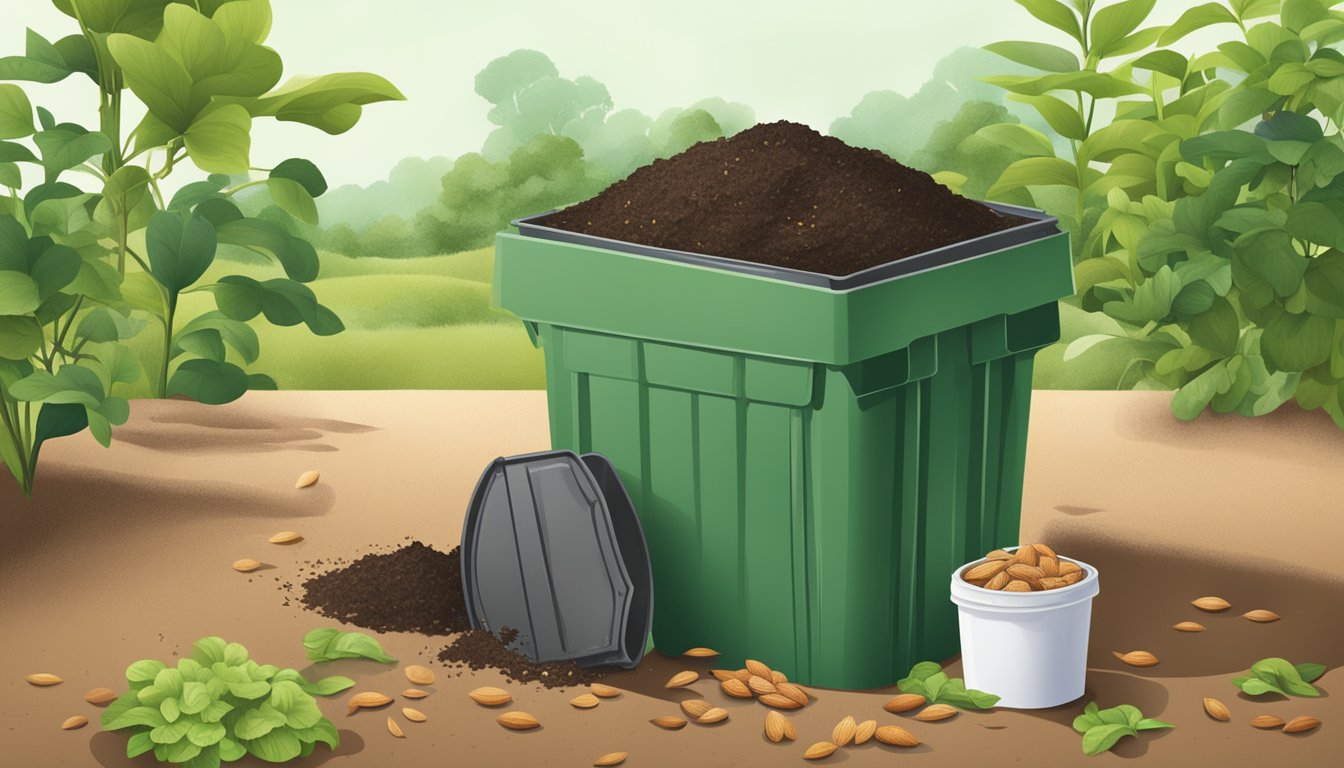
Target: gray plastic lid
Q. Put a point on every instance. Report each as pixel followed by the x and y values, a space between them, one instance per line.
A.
pixel 552 547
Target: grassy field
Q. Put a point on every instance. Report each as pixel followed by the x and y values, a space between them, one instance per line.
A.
pixel 410 324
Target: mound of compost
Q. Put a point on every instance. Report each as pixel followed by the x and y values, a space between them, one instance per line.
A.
pixel 417 588
pixel 784 195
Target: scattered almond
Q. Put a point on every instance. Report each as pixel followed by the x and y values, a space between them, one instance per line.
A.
pixel 669 722
pixel 1266 721
pixel 416 693
pixel 778 677
pixel 43 679
pixel 490 697
pixel 683 679
pixel 1136 658
pixel 723 675
pixel 701 653
pixel 865 731
pixel 758 669
pixel 1211 604
pixel 583 701
pixel 605 691
pixel 793 692
pixel 904 703
pixel 713 715
pixel 760 686
pixel 420 675
pixel 1217 710
pixel 246 565
pixel 366 700
pixel 307 479
pixel 611 758
pixel 1188 626
pixel 286 537
pixel 936 712
pixel 896 736
pixel 820 751
pixel 778 728
pixel 1261 615
pixel 843 732
pixel 518 721
pixel 736 688
pixel 414 715
pixel 79 721
pixel 1301 724
pixel 395 729
pixel 100 696
pixel 779 701
pixel 694 708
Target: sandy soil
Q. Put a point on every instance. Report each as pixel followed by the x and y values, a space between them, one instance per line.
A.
pixel 124 554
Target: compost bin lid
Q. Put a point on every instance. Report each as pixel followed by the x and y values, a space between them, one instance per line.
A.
pixel 552 548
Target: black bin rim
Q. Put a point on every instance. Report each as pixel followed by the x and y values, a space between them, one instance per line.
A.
pixel 1039 225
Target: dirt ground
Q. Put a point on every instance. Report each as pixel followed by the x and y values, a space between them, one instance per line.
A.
pixel 124 554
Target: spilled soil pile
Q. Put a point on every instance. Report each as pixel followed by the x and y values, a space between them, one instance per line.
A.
pixel 419 589
pixel 784 195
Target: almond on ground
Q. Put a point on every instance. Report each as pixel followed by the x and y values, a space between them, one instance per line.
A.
pixel 936 712
pixel 79 721
pixel 1266 721
pixel 778 728
pixel 758 669
pixel 669 722
pixel 792 691
pixel 611 758
pixel 490 697
pixel 584 701
pixel 307 479
pixel 43 679
pixel 694 708
pixel 1188 626
pixel 366 700
pixel 701 653
pixel 1301 724
pixel 414 715
pixel 736 688
pixel 415 693
pixel 760 686
pixel 904 703
pixel 1136 658
pixel 246 565
pixel 865 731
pixel 395 729
pixel 713 715
pixel 1260 615
pixel 844 731
pixel 778 701
pixel 820 751
pixel 518 721
pixel 1211 604
pixel 605 691
pixel 682 679
pixel 419 675
pixel 286 537
pixel 100 696
pixel 1217 710
pixel 896 736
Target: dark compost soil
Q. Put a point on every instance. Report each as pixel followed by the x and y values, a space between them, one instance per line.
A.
pixel 419 589
pixel 784 195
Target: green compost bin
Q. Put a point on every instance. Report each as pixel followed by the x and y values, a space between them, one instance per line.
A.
pixel 811 457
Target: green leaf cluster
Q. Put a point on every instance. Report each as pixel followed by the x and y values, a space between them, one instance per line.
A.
pixel 218 705
pixel 1275 675
pixel 928 680
pixel 329 644
pixel 1102 728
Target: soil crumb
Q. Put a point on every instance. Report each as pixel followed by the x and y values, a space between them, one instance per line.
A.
pixel 478 649
pixel 412 589
pixel 782 194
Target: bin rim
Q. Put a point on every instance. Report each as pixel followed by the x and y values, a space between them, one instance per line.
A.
pixel 967 595
pixel 1039 226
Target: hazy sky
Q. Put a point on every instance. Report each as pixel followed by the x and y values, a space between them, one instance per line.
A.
pixel 805 60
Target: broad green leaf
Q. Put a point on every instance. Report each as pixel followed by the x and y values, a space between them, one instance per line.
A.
pixel 16 112
pixel 1290 78
pixel 1195 297
pixel 1050 58
pixel 1063 118
pixel 1113 23
pixel 1056 14
pixel 53 190
pixel 208 381
pixel 1284 676
pixel 143 716
pixel 1150 724
pixel 1022 139
pixel 145 670
pixel 194 699
pixel 258 722
pixel 179 751
pixel 1309 671
pixel 1192 398
pixel 156 78
pixel 1198 17
pixel 139 744
pixel 956 693
pixel 20 337
pixel 230 750
pixel 291 196
pixel 283 302
pixel 1287 152
pixel 125 188
pixel 9 175
pixel 205 734
pixel 235 334
pixel 1035 171
pixel 248 19
pixel 249 690
pixel 219 139
pixel 142 18
pixel 324 732
pixel 197 192
pixel 1270 254
pixel 330 644
pixel 1222 146
pixel 1102 737
pixel 1097 84
pixel 933 685
pixel 215 711
pixel 1217 328
pixel 304 172
pixel 278 746
pixel 1298 14
pixel 41 62
pixel 1315 223
pixel 1137 41
pixel 299 709
pixel 170 710
pixel 18 294
pixel 1121 137
pixel 328 686
pixel 1169 63
pixel 15 153
pixel 208 650
pixel 1290 126
pixel 331 103
pixel 67 145
pixel 180 249
pixel 1297 342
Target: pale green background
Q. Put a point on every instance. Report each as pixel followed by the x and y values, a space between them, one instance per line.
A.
pixel 808 60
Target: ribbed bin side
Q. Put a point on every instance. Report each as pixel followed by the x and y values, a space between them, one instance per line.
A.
pixel 802 514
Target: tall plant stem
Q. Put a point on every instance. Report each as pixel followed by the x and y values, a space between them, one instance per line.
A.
pixel 167 345
pixel 20 445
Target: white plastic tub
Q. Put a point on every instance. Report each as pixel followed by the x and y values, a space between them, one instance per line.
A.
pixel 1028 648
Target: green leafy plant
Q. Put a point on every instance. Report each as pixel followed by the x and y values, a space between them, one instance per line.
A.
pixel 1102 728
pixel 330 644
pixel 928 680
pixel 1215 249
pixel 219 705
pixel 1275 675
pixel 70 252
